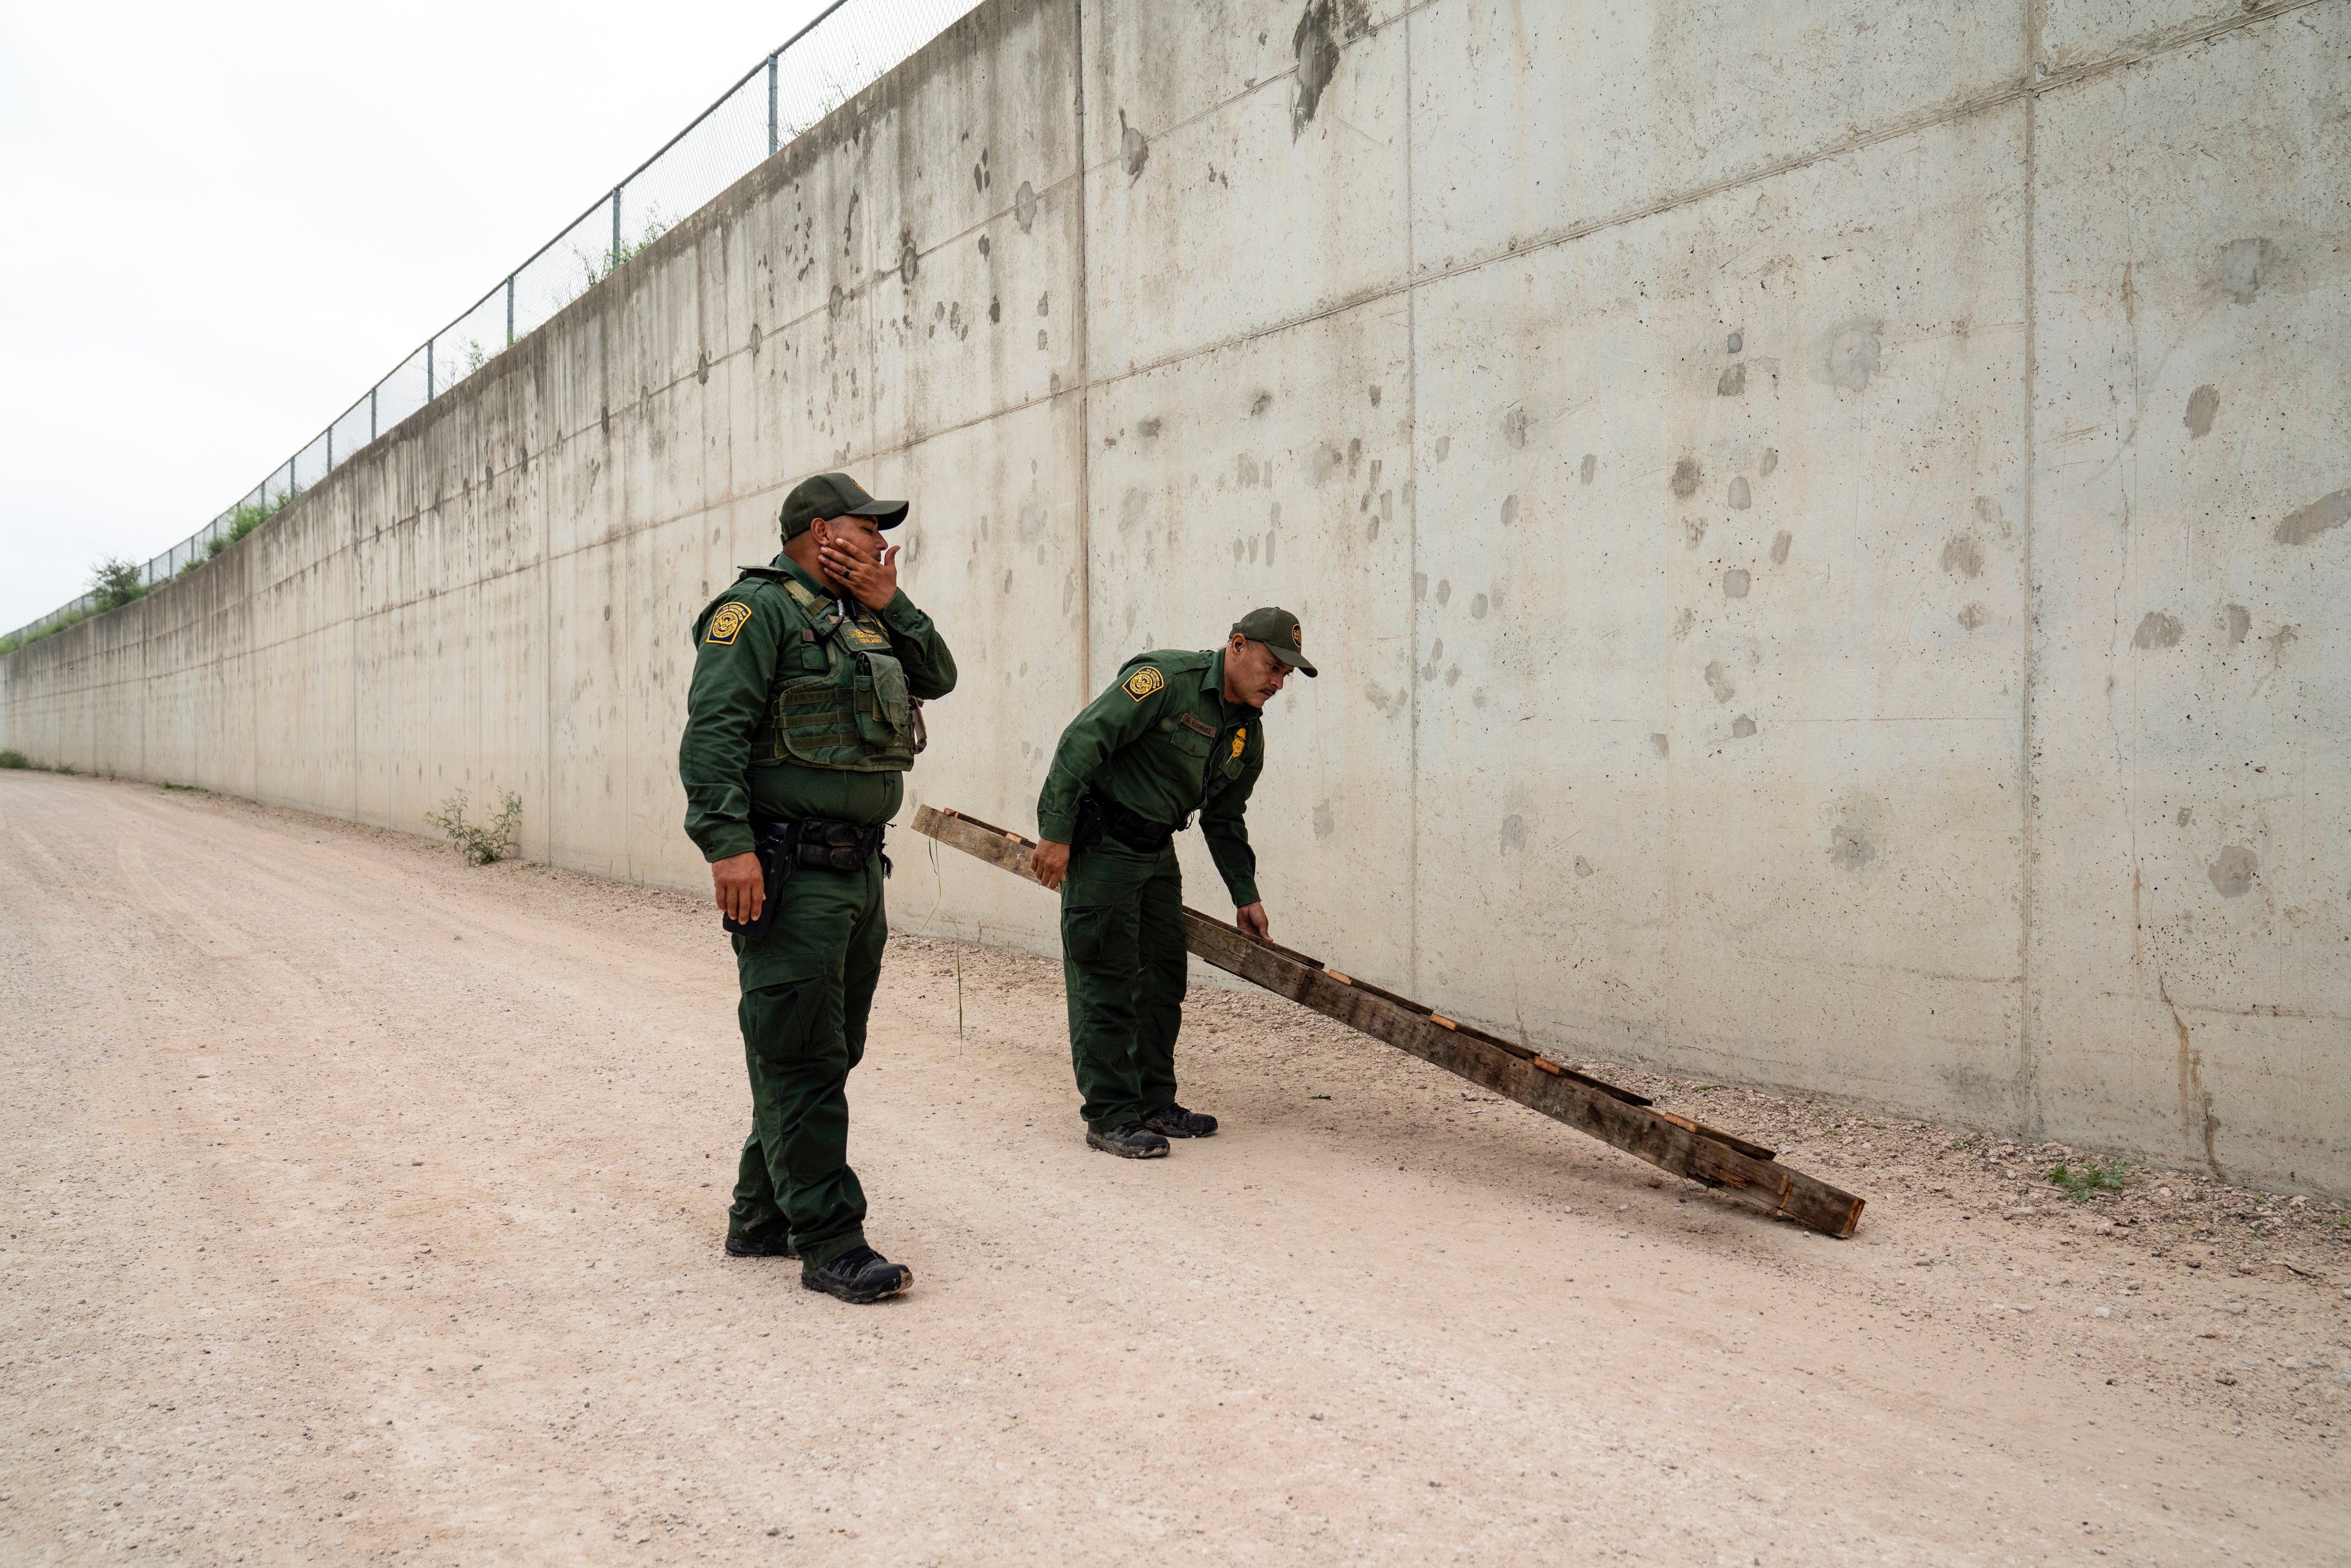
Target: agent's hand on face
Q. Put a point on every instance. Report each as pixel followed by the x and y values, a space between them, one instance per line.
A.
pixel 872 578
pixel 1252 922
pixel 740 886
pixel 1049 862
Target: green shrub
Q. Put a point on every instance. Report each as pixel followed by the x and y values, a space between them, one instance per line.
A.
pixel 479 846
pixel 12 758
pixel 244 519
pixel 114 582
pixel 2082 1182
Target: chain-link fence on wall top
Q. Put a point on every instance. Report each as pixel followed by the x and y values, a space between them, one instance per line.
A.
pixel 850 44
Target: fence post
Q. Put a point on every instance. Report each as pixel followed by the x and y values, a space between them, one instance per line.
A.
pixel 371 413
pixel 615 259
pixel 772 143
pixel 428 369
pixel 509 310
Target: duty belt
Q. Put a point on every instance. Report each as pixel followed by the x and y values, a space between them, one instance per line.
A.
pixel 811 844
pixel 1098 815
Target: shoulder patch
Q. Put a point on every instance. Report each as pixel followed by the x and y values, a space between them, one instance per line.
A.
pixel 1142 682
pixel 728 623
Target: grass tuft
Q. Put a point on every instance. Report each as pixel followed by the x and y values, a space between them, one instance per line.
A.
pixel 2084 1181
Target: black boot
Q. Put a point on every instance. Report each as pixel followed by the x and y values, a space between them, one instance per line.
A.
pixel 1177 1123
pixel 774 1243
pixel 857 1276
pixel 1128 1141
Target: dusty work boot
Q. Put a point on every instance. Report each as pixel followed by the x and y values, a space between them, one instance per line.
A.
pixel 1177 1123
pixel 1128 1141
pixel 857 1276
pixel 773 1242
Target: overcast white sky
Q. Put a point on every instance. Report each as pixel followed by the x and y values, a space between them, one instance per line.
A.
pixel 230 219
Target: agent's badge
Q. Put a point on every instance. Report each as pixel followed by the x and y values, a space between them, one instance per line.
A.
pixel 1241 739
pixel 1144 682
pixel 727 621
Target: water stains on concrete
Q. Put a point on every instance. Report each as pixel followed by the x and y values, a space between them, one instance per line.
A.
pixel 1742 497
pixel 1148 429
pixel 1509 509
pixel 1259 403
pixel 1024 207
pixel 1514 427
pixel 1781 542
pixel 1325 824
pixel 1973 616
pixel 1583 866
pixel 1732 383
pixel 2156 629
pixel 1851 846
pixel 1514 836
pixel 1771 461
pixel 1660 743
pixel 1322 27
pixel 1590 466
pixel 1133 147
pixel 1736 342
pixel 2240 621
pixel 1853 356
pixel 1963 556
pixel 2329 511
pixel 2233 870
pixel 1688 476
pixel 1742 727
pixel 1717 681
pixel 1478 607
pixel 2245 266
pixel 1735 582
pixel 2202 405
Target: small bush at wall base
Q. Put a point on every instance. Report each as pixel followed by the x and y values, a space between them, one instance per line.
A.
pixel 12 758
pixel 494 840
pixel 2081 1182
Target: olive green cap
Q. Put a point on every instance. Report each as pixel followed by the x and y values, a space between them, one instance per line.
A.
pixel 835 495
pixel 1277 629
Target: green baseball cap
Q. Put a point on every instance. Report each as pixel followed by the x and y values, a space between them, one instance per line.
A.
pixel 835 495
pixel 1277 629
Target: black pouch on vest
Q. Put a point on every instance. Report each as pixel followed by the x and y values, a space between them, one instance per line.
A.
pixel 775 844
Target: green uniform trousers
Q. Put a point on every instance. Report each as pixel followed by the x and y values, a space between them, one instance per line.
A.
pixel 808 988
pixel 1123 960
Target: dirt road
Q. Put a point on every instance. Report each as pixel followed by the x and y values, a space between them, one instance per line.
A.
pixel 363 1207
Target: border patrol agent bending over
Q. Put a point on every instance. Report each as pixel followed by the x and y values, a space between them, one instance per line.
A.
pixel 801 716
pixel 1176 732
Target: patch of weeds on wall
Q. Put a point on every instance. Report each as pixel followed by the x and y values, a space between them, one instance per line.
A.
pixel 483 844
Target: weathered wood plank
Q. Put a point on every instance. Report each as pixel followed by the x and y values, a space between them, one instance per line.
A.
pixel 1744 1171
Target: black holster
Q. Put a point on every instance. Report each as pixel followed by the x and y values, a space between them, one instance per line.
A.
pixel 1097 816
pixel 813 844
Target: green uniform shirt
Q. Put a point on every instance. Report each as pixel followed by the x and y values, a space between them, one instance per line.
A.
pixel 736 668
pixel 1153 742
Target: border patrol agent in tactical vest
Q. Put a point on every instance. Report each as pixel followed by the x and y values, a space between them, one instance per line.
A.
pixel 1177 732
pixel 804 711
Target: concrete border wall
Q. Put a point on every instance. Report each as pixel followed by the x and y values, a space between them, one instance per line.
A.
pixel 1822 523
